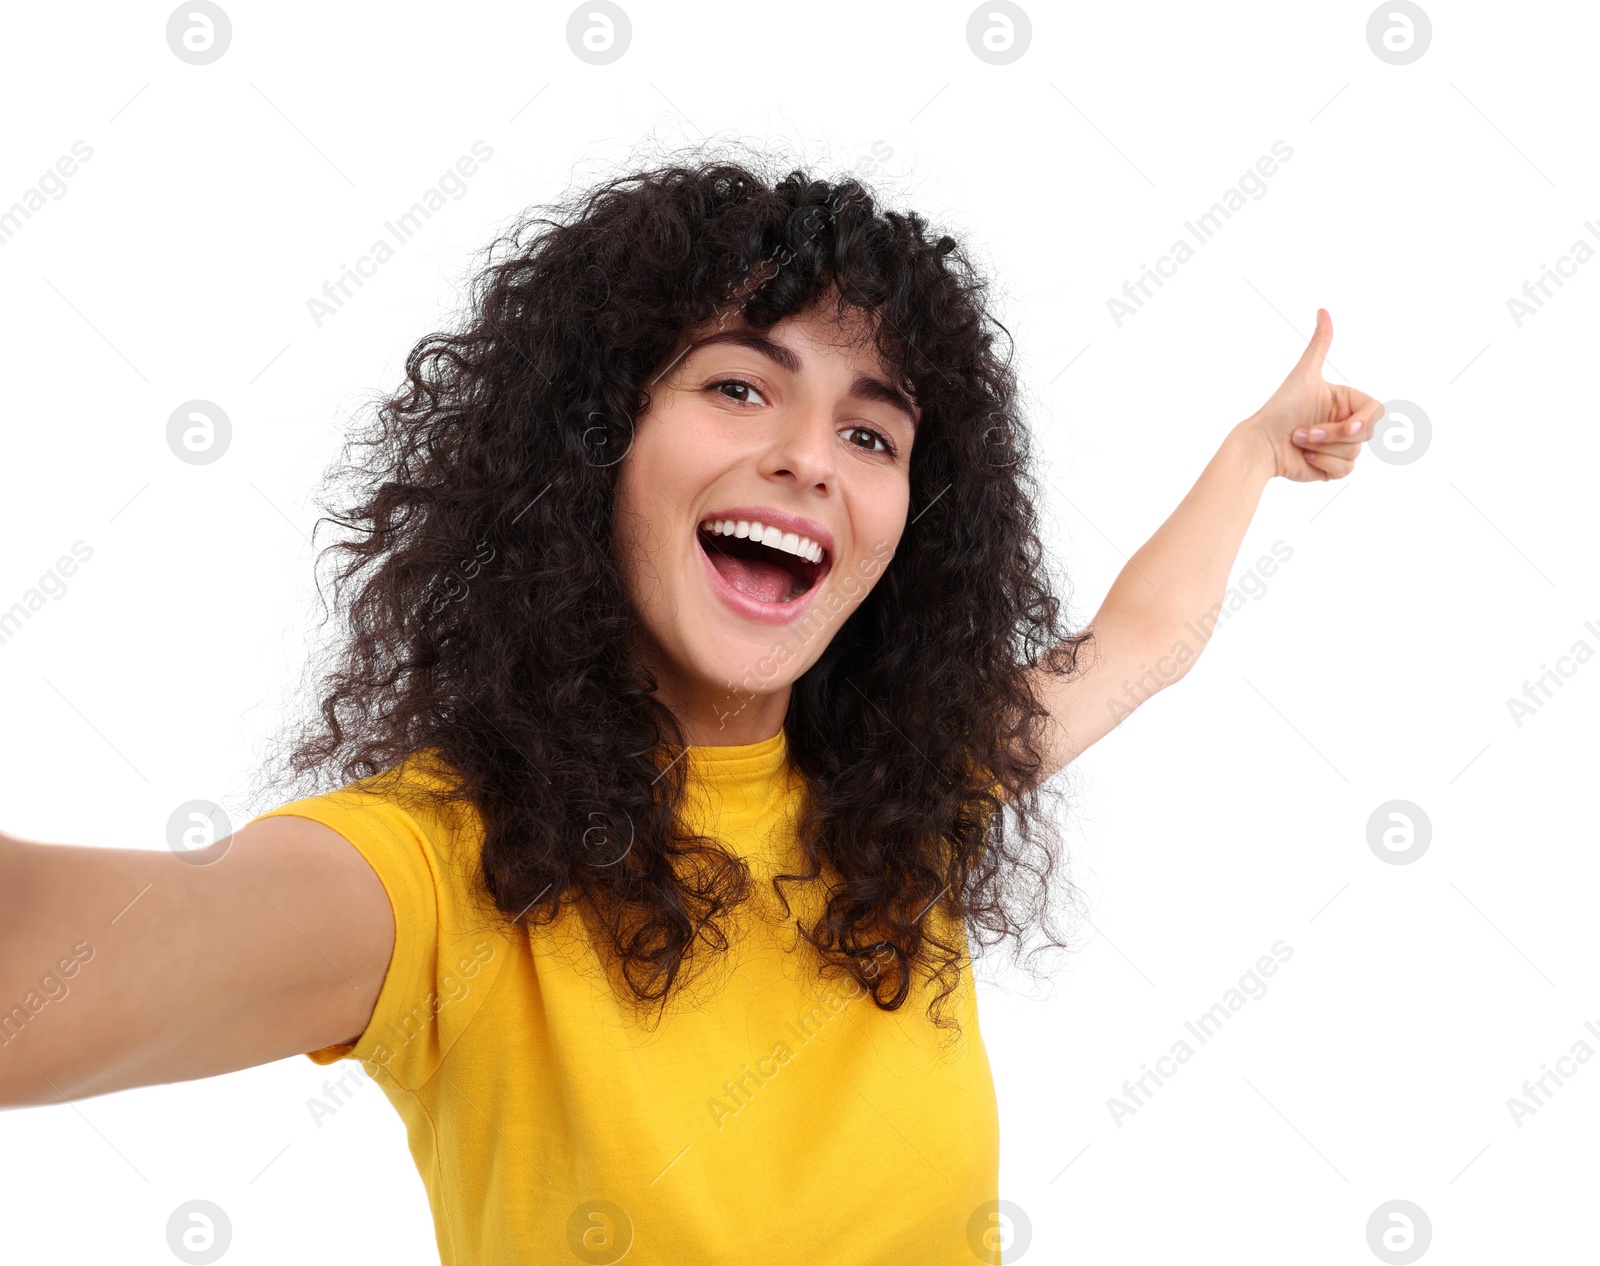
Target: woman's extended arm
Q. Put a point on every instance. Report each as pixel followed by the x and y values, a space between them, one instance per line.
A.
pixel 130 967
pixel 1159 614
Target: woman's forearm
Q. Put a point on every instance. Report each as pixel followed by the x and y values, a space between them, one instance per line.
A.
pixel 1181 573
pixel 124 967
pixel 1159 614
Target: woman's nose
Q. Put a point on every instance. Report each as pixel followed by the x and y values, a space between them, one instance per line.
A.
pixel 803 447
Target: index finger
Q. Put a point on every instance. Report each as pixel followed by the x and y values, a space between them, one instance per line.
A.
pixel 1354 403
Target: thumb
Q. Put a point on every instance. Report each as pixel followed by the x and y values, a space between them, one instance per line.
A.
pixel 1321 340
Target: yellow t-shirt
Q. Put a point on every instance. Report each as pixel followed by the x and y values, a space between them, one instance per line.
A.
pixel 770 1117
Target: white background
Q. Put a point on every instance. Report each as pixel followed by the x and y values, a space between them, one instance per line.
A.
pixel 1228 814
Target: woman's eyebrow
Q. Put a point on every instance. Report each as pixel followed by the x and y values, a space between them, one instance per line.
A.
pixel 756 342
pixel 865 386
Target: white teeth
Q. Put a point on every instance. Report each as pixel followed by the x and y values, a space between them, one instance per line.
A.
pixel 789 542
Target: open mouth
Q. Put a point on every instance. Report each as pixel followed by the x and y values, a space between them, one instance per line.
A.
pixel 763 563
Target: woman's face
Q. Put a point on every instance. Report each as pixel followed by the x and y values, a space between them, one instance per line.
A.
pixel 799 430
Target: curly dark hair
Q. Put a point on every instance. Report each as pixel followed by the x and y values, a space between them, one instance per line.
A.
pixel 490 623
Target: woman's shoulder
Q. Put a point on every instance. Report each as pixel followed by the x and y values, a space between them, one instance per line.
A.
pixel 414 820
pixel 422 785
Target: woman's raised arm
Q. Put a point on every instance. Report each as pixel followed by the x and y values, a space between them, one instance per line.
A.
pixel 123 967
pixel 1160 612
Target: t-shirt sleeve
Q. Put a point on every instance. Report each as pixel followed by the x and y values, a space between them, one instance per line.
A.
pixel 445 957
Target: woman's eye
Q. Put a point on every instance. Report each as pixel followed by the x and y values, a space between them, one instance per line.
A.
pixel 740 384
pixel 872 438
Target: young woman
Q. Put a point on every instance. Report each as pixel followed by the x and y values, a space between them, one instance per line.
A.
pixel 701 682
